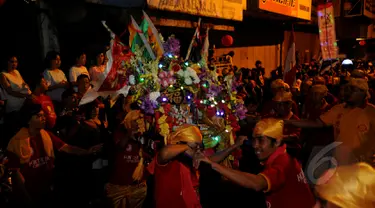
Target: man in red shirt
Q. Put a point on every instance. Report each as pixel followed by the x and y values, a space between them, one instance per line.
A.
pixel 39 97
pixel 31 157
pixel 282 178
pixel 176 180
pixel 127 185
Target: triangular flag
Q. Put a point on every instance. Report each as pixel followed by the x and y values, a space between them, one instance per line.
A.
pixel 154 36
pixel 134 27
pixel 112 81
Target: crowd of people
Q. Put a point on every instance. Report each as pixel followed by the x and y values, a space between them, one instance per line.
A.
pixel 62 154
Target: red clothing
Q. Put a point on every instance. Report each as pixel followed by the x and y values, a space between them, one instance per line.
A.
pixel 287 185
pixel 126 161
pixel 38 171
pixel 175 185
pixel 48 109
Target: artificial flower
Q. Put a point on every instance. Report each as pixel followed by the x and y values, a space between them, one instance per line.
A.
pixel 166 78
pixel 153 96
pixel 132 80
pixel 189 75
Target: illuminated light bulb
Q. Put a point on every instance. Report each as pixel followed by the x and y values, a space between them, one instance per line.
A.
pixel 218 113
pixel 186 64
pixel 212 106
pixel 226 130
pixel 222 113
pixel 182 88
pixel 170 55
pixel 188 97
pixel 160 65
pixel 164 99
pixel 199 64
pixel 215 102
pixel 142 79
pixel 223 101
pixel 201 101
pixel 170 85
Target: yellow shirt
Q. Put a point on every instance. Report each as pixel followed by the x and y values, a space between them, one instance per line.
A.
pixel 354 127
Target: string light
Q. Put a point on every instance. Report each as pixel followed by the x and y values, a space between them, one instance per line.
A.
pixel 164 99
pixel 160 66
pixel 142 79
pixel 182 88
pixel 216 138
pixel 186 64
pixel 170 55
pixel 188 97
pixel 223 101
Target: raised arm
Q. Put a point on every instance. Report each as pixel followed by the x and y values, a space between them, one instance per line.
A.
pixel 169 152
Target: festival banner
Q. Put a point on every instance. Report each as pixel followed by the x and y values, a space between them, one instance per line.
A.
pixel 223 9
pixel 327 33
pixel 293 8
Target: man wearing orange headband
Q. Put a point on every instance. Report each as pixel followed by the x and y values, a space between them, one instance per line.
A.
pixel 282 178
pixel 353 123
pixel 176 180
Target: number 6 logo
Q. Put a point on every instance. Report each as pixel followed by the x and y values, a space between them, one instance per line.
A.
pixel 320 159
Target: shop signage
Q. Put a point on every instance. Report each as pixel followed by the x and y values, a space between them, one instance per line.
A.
pixel 293 8
pixel 327 33
pixel 224 9
pixel 188 24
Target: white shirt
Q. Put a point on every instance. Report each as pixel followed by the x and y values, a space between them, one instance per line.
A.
pixel 17 84
pixel 54 77
pixel 75 71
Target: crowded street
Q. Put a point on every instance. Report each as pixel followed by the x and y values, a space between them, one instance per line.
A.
pixel 187 104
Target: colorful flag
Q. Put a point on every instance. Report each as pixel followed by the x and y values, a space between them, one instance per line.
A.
pixel 139 36
pixel 154 38
pixel 112 82
pixel 290 62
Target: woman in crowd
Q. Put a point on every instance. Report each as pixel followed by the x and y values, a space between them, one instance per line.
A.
pixel 55 77
pixel 96 71
pixel 16 91
pixel 78 69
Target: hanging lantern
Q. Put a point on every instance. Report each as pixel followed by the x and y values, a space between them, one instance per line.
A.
pixel 227 40
pixel 362 42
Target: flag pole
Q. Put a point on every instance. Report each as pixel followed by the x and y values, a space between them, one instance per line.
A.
pixel 192 40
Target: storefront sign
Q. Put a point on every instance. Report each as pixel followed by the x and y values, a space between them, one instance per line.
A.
pixel 224 9
pixel 188 24
pixel 327 33
pixel 293 8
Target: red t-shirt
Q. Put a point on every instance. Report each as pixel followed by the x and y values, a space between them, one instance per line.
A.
pixel 287 185
pixel 38 172
pixel 175 185
pixel 48 109
pixel 126 161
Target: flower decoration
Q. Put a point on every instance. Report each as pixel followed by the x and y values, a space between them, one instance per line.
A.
pixel 189 75
pixel 172 46
pixel 132 80
pixel 166 78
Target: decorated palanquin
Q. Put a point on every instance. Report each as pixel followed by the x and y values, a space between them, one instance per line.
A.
pixel 172 91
